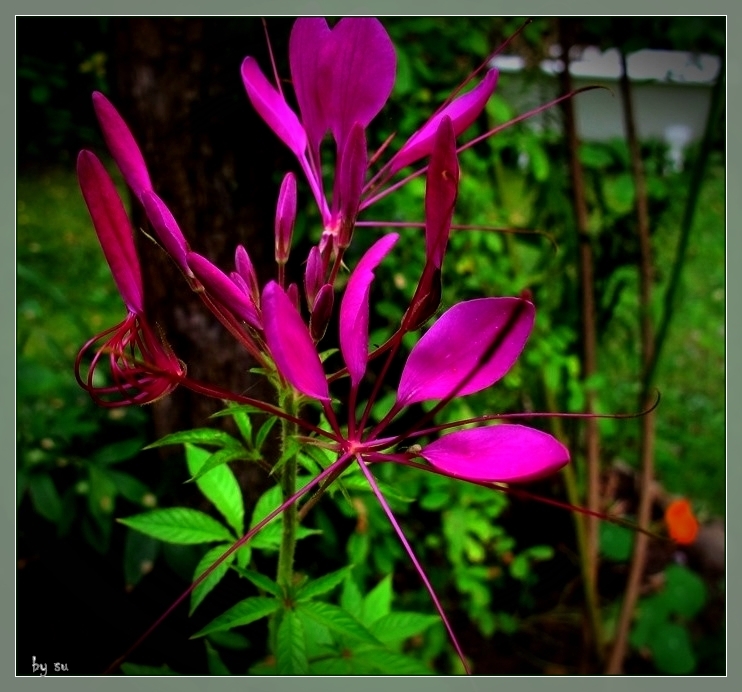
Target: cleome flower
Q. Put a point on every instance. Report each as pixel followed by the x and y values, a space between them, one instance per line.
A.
pixel 342 78
pixel 142 366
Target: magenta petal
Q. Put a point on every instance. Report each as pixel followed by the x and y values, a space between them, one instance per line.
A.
pixel 291 345
pixel 469 348
pixel 361 60
pixel 441 189
pixel 167 228
pixel 113 229
pixel 354 308
pixel 463 111
pixel 272 107
pixel 122 145
pixel 223 289
pixel 308 36
pixel 502 453
pixel 349 182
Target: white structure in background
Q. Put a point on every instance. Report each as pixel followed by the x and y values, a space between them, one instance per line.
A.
pixel 671 90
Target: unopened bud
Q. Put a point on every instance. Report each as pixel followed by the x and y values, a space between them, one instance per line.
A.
pixel 285 218
pixel 321 312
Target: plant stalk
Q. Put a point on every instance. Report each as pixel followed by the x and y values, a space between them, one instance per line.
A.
pixel 285 573
pixel 589 337
pixel 647 429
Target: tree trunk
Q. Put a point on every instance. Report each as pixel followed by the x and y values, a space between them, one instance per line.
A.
pixel 216 165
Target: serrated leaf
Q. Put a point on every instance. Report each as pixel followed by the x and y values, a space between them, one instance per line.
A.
pixel 351 598
pixel 358 482
pixel 378 601
pixel 117 452
pixel 199 436
pixel 368 661
pixel 264 431
pixel 220 458
pixel 179 525
pixel 322 585
pixel 202 590
pixel 331 666
pixel 291 648
pixel 243 613
pixel 241 416
pixel 398 626
pixel 337 620
pixel 219 485
pixel 319 639
pixel 260 580
pixel 214 661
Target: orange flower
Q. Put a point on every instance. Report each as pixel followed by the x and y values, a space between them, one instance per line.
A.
pixel 682 525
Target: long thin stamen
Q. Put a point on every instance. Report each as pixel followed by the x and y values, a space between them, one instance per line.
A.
pixel 387 510
pixel 516 492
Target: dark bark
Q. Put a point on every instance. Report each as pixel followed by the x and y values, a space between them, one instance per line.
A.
pixel 216 165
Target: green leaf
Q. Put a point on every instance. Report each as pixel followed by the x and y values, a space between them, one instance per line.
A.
pixel 264 431
pixel 540 552
pixel 132 488
pixel 201 436
pixel 615 542
pixel 291 653
pixel 241 416
pixel 214 661
pixel 684 591
pixel 45 497
pixel 102 492
pixel 260 580
pixel 332 666
pixel 322 585
pixel 351 598
pixel 369 661
pixel 337 620
pixel 220 458
pixel 378 601
pixel 117 452
pixel 652 614
pixel 179 525
pixel 397 626
pixel 519 567
pixel 229 640
pixel 212 555
pixel 672 650
pixel 219 485
pixel 243 613
pixel 136 669
pixel 140 552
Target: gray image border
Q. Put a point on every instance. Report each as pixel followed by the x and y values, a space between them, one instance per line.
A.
pixel 378 8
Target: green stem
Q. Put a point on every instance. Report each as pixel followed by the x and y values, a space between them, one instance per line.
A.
pixel 285 575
